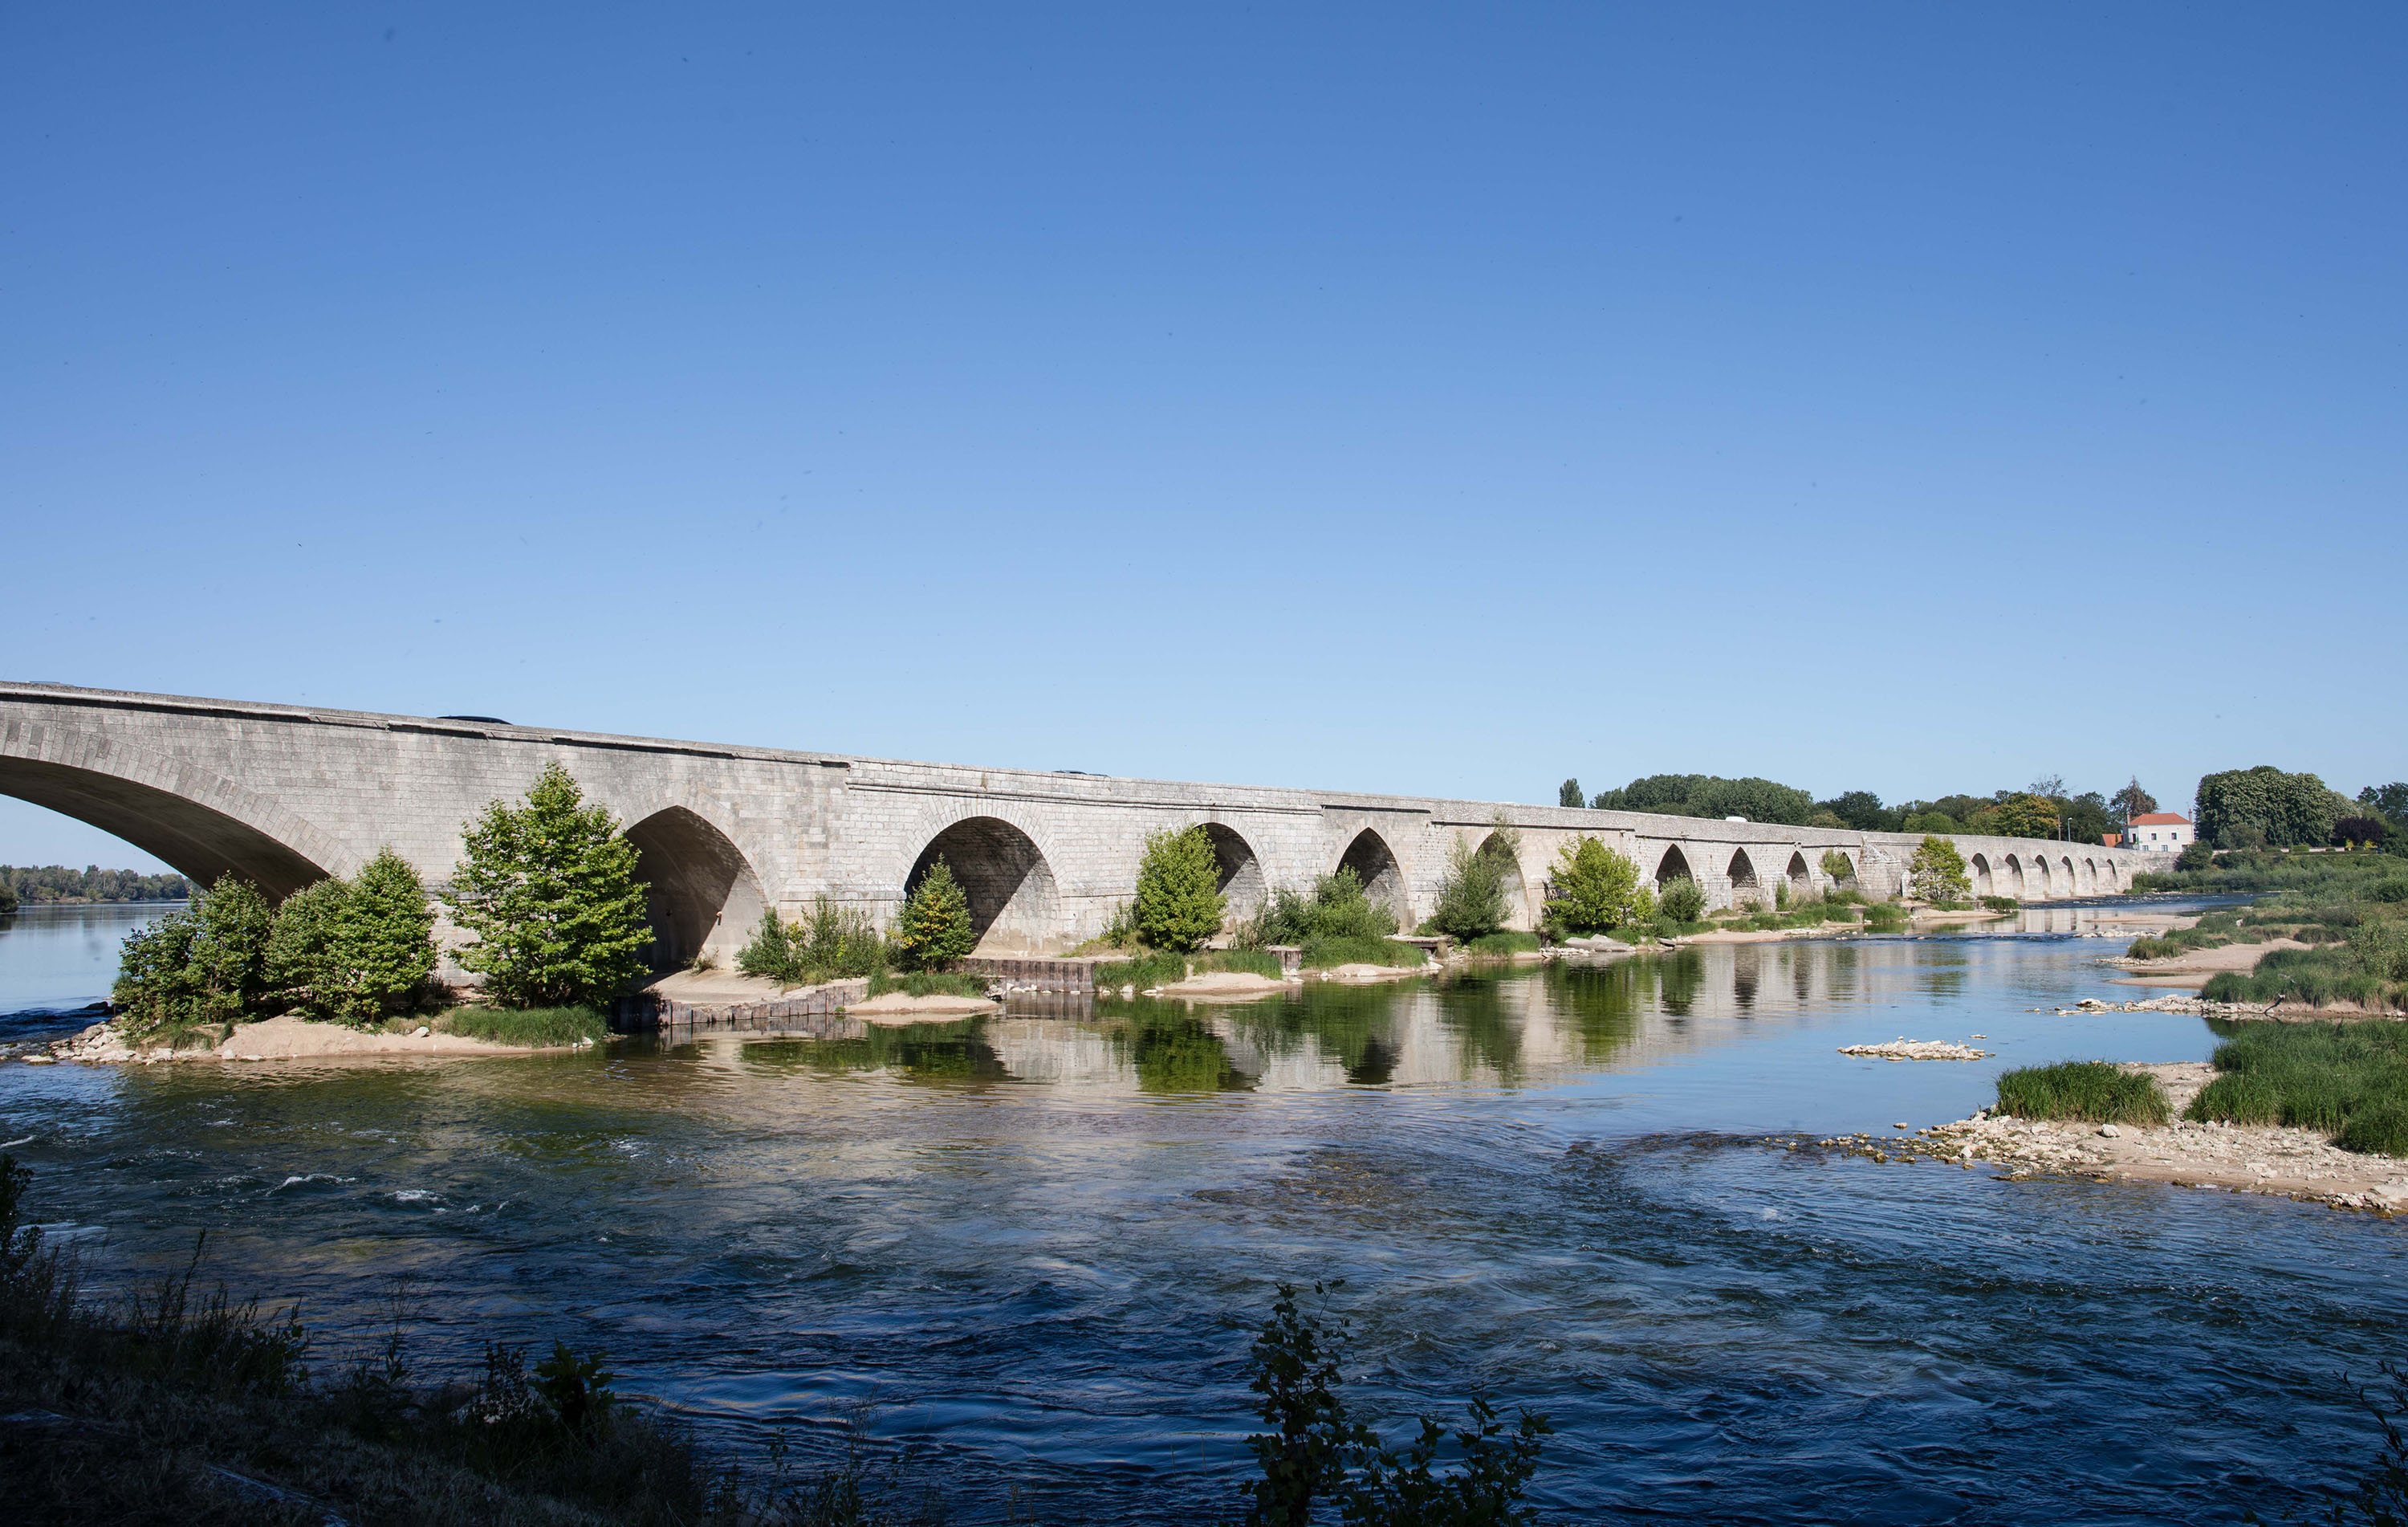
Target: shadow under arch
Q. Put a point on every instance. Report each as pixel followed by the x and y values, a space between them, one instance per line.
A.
pixel 1742 873
pixel 1014 904
pixel 1802 879
pixel 2074 886
pixel 700 892
pixel 1496 848
pixel 1979 866
pixel 1375 864
pixel 1673 865
pixel 199 842
pixel 2014 871
pixel 1238 872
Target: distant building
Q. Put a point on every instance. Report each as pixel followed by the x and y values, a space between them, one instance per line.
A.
pixel 2160 832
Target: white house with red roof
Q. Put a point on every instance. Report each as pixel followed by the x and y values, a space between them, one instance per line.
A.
pixel 2160 832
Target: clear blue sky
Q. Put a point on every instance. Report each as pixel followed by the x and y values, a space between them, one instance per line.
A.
pixel 1917 398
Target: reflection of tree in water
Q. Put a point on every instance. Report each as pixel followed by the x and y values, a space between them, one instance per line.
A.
pixel 1678 979
pixel 1747 973
pixel 1356 1025
pixel 1174 1052
pixel 1839 969
pixel 1942 969
pixel 1475 1012
pixel 1604 1001
pixel 925 1052
pixel 1801 973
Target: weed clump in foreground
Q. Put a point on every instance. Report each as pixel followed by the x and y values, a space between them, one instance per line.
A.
pixel 182 1407
pixel 2092 1091
pixel 927 984
pixel 1315 1451
pixel 1158 969
pixel 2349 1080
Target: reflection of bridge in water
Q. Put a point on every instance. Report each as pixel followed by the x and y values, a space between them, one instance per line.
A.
pixel 1531 1028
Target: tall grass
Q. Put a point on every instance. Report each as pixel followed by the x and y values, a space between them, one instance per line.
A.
pixel 1160 970
pixel 2348 1080
pixel 2092 1091
pixel 927 984
pixel 1503 941
pixel 526 1025
pixel 829 944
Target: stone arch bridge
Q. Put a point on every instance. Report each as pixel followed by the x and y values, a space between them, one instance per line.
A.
pixel 284 795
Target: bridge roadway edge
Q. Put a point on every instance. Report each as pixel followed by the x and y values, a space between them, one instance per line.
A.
pixel 283 791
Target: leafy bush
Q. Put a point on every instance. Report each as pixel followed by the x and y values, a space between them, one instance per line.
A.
pixel 2001 903
pixel 2089 1090
pixel 1471 893
pixel 1682 901
pixel 1594 889
pixel 1837 865
pixel 207 964
pixel 935 928
pixel 1885 917
pixel 1337 908
pixel 1504 942
pixel 830 944
pixel 545 1025
pixel 356 950
pixel 550 890
pixel 1178 902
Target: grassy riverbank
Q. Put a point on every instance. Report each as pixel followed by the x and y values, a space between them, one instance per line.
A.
pixel 2091 1091
pixel 2351 909
pixel 2345 1080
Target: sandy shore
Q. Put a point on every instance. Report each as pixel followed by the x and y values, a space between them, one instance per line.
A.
pixel 2241 1158
pixel 1226 986
pixel 897 1009
pixel 285 1038
pixel 2194 968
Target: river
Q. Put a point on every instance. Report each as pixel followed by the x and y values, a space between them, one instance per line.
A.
pixel 1040 1242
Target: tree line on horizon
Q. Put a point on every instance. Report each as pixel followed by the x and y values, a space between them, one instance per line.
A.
pixel 2242 808
pixel 47 885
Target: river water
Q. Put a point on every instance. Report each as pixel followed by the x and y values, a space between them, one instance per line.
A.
pixel 1040 1243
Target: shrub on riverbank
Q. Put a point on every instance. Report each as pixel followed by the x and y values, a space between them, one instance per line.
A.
pixel 2348 1080
pixel 1337 924
pixel 1595 890
pixel 1682 901
pixel 1937 871
pixel 1883 917
pixel 1471 893
pixel 206 965
pixel 1504 942
pixel 829 944
pixel 1178 902
pixel 526 1025
pixel 2092 1091
pixel 935 928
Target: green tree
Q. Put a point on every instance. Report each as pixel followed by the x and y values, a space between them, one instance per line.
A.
pixel 2278 809
pixel 1938 871
pixel 935 928
pixel 1863 811
pixel 1838 866
pixel 2390 801
pixel 550 890
pixel 1593 889
pixel 2019 815
pixel 156 983
pixel 207 964
pixel 303 967
pixel 2128 802
pixel 385 939
pixel 1178 899
pixel 1568 793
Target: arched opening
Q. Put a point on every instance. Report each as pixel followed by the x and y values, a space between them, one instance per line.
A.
pixel 1743 878
pixel 2041 887
pixel 2107 883
pixel 2013 869
pixel 1517 901
pixel 1238 873
pixel 200 842
pixel 1013 903
pixel 700 894
pixel 1802 879
pixel 1383 882
pixel 2071 885
pixel 1979 867
pixel 1673 865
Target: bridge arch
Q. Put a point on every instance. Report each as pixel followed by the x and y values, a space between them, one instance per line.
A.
pixel 701 893
pixel 2042 890
pixel 1014 902
pixel 202 825
pixel 1238 870
pixel 1673 865
pixel 1384 879
pixel 1978 865
pixel 1801 878
pixel 2013 868
pixel 2074 886
pixel 1742 873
